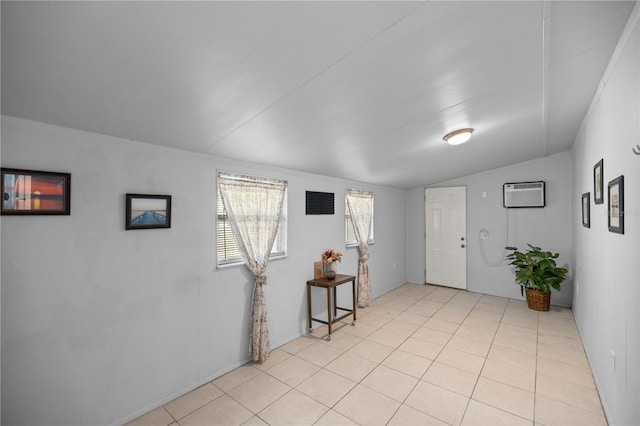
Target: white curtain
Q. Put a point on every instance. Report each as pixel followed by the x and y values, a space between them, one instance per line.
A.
pixel 360 205
pixel 254 207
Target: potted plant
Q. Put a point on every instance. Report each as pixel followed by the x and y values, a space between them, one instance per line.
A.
pixel 537 273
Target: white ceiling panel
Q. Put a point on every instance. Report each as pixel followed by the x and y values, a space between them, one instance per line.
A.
pixel 358 90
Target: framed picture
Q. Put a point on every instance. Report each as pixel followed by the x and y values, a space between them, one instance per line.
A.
pixel 31 192
pixel 586 213
pixel 616 205
pixel 146 211
pixel 598 183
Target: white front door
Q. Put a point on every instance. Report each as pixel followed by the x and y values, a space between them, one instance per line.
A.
pixel 446 237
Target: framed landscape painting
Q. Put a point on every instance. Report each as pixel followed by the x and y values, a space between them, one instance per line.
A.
pixel 145 211
pixel 31 192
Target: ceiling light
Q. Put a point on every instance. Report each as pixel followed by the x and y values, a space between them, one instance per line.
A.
pixel 459 136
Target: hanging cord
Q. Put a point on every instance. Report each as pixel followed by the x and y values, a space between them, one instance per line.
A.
pixel 483 253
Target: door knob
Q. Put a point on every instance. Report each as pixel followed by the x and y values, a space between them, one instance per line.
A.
pixel 462 245
pixel 461 238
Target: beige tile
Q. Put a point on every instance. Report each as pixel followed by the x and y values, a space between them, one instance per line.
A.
pixel 380 316
pixel 509 374
pixel 582 397
pixel 493 300
pixel 513 357
pixel 482 324
pixel 570 356
pixel 374 319
pixel 259 392
pixel 476 333
pixel 412 318
pixel 430 304
pixel 451 378
pixel 507 398
pixel 472 346
pixel 485 315
pixel 371 351
pixel 294 408
pixel 222 411
pixel 293 371
pixel 441 325
pixel 407 363
pixel 236 377
pixel 401 328
pixel 195 399
pixel 517 343
pixel 421 310
pixel 560 328
pixel 462 360
pixel 432 335
pixel 455 317
pixel 275 357
pixel 421 348
pixel 490 307
pixel 410 416
pixel 255 421
pixel 555 413
pixel 387 338
pixel 333 418
pixel 522 320
pixel 479 414
pixel 395 305
pixel 352 366
pixel 561 341
pixel 438 402
pixel 296 345
pixel 580 375
pixel 326 387
pixel 359 330
pixel 367 407
pixel 319 354
pixel 342 340
pixel 515 331
pixel 157 417
pixel 389 382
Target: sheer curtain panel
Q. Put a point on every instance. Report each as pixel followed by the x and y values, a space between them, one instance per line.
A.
pixel 254 207
pixel 360 205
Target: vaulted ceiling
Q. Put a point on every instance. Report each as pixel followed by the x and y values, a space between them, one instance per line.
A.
pixel 357 90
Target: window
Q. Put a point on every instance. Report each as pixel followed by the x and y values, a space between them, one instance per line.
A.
pixel 349 233
pixel 228 252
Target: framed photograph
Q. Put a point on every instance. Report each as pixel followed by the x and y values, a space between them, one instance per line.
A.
pixel 586 213
pixel 146 211
pixel 616 205
pixel 598 183
pixel 31 192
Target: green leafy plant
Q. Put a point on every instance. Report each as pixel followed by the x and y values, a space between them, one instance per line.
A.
pixel 536 269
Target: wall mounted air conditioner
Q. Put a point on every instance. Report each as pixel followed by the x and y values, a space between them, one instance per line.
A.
pixel 523 194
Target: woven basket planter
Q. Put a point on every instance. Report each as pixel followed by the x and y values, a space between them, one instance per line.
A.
pixel 538 300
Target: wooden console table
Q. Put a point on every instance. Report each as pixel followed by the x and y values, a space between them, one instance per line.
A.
pixel 332 311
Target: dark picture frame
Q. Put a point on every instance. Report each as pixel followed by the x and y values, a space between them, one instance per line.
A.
pixel 586 210
pixel 34 192
pixel 616 205
pixel 147 211
pixel 598 182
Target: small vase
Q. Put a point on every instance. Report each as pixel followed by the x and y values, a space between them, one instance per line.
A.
pixel 330 270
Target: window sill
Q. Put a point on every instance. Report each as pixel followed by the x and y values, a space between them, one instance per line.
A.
pixel 350 245
pixel 241 263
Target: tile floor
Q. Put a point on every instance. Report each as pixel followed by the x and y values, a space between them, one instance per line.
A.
pixel 420 355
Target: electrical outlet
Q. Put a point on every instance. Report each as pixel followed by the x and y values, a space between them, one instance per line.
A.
pixel 613 361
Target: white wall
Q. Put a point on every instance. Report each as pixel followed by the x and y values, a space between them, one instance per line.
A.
pixel 100 324
pixel 548 227
pixel 607 296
